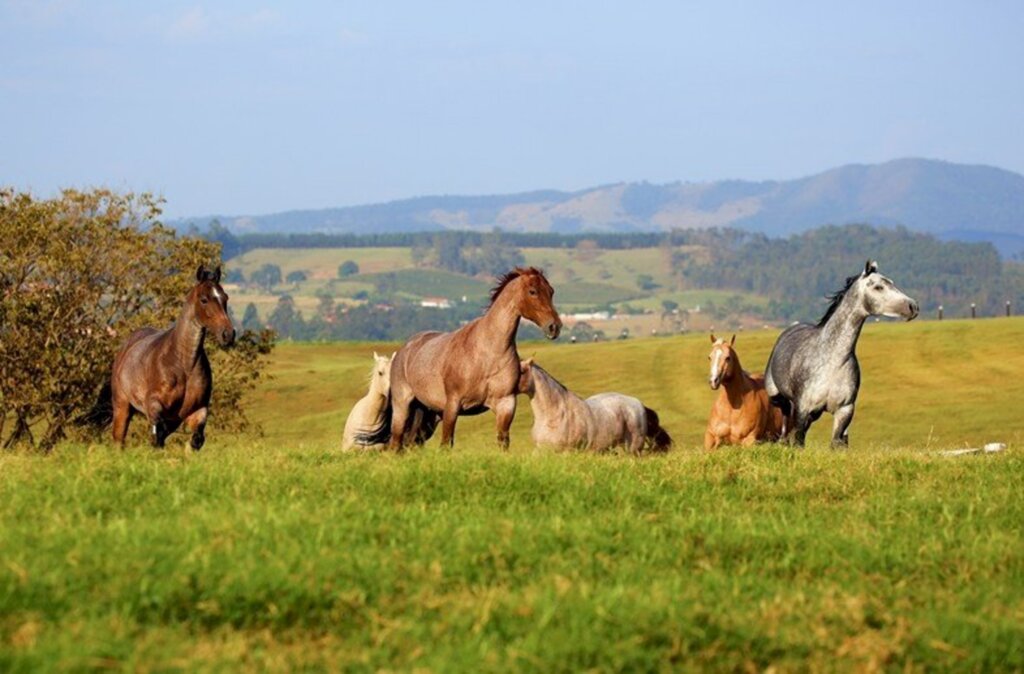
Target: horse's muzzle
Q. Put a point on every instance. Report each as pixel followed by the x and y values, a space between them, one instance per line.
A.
pixel 714 384
pixel 553 329
pixel 226 337
pixel 912 310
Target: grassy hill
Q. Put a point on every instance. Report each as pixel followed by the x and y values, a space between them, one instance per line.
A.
pixel 584 279
pixel 281 553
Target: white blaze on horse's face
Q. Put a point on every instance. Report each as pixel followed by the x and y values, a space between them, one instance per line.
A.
pixel 883 298
pixel 717 358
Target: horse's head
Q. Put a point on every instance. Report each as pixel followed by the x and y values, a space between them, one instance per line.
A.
pixel 210 303
pixel 723 361
pixel 380 377
pixel 526 385
pixel 881 297
pixel 533 297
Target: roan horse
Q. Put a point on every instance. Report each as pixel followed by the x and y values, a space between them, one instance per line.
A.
pixel 165 374
pixel 564 420
pixel 472 369
pixel 742 413
pixel 814 368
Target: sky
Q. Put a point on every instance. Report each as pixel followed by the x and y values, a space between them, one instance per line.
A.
pixel 255 107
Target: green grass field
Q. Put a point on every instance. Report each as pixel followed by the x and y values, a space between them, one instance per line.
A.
pixel 281 553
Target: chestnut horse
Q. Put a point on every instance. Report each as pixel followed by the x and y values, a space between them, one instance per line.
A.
pixel 470 370
pixel 742 414
pixel 165 374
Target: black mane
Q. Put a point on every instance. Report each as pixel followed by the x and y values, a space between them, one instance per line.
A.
pixel 837 298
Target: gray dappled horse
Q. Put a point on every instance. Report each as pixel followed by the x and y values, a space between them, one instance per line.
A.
pixel 814 369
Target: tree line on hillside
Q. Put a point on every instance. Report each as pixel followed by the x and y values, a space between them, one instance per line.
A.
pixel 798 271
pixel 237 244
pixel 366 322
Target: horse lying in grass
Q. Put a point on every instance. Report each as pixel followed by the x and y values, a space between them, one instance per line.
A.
pixel 742 414
pixel 564 420
pixel 165 374
pixel 814 369
pixel 369 411
pixel 470 370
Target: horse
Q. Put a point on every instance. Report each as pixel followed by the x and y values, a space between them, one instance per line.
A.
pixel 564 420
pixel 742 414
pixel 165 374
pixel 813 368
pixel 470 370
pixel 368 410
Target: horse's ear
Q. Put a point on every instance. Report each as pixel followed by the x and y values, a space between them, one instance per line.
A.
pixel 201 273
pixel 392 356
pixel 375 356
pixel 525 364
pixel 870 267
pixel 733 340
pixel 215 276
pixel 713 340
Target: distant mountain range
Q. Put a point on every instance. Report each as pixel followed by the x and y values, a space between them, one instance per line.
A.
pixel 951 201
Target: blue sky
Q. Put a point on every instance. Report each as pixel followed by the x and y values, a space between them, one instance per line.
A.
pixel 244 108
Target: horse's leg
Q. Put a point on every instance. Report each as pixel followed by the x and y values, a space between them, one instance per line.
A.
pixel 122 415
pixel 801 423
pixel 451 413
pixel 710 440
pixel 504 412
pixel 399 416
pixel 840 426
pixel 197 424
pixel 157 431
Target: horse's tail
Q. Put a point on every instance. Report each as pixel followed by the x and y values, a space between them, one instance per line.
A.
pixel 102 413
pixel 379 434
pixel 661 441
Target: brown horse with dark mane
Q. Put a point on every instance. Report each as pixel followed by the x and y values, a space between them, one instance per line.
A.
pixel 742 413
pixel 470 370
pixel 165 374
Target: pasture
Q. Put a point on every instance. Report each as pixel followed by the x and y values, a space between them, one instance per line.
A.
pixel 281 553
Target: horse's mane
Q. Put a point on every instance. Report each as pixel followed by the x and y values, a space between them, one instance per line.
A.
pixel 512 275
pixel 547 376
pixel 837 298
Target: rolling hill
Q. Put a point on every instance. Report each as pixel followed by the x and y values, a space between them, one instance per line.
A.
pixel 953 201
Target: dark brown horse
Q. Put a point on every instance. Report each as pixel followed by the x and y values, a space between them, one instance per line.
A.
pixel 165 374
pixel 473 369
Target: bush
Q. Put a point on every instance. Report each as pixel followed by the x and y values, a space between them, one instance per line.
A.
pixel 347 268
pixel 78 274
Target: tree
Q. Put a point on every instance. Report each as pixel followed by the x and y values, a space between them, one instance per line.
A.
pixel 286 320
pixel 348 268
pixel 297 276
pixel 234 275
pixel 251 318
pixel 230 246
pixel 646 282
pixel 669 306
pixel 78 274
pixel 267 276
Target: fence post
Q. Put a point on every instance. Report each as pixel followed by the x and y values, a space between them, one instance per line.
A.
pixel 974 310
pixel 1007 308
pixel 940 312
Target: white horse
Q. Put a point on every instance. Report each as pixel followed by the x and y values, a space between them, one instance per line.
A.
pixel 368 411
pixel 564 420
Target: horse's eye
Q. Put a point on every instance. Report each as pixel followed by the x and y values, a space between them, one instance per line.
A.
pixel 533 292
pixel 879 288
pixel 203 300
